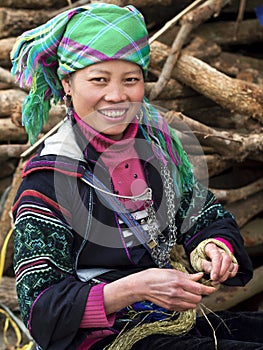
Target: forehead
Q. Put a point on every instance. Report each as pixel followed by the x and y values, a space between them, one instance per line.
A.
pixel 108 67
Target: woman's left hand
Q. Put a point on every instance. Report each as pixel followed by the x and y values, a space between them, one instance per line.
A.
pixel 219 264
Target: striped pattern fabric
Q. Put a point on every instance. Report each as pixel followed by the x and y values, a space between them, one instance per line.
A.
pixel 39 220
pixel 72 40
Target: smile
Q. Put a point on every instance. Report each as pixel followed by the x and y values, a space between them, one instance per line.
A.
pixel 113 113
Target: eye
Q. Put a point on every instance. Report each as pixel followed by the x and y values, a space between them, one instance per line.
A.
pixel 132 80
pixel 99 79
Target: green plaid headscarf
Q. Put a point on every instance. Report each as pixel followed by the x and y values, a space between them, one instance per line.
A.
pixel 71 41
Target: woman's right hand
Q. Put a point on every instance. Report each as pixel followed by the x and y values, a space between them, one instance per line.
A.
pixel 168 288
pixel 172 289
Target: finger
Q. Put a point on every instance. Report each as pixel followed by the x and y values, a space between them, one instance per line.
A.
pixel 213 252
pixel 232 271
pixel 197 288
pixel 226 267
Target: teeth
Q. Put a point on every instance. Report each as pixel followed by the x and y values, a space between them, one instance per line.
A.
pixel 113 114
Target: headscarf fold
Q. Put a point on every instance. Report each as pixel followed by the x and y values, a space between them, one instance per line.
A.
pixel 71 41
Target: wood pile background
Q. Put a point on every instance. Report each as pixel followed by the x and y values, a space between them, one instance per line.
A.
pixel 206 75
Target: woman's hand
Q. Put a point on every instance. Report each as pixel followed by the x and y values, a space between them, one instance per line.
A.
pixel 168 288
pixel 172 289
pixel 219 264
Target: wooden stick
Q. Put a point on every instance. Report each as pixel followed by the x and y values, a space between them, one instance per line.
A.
pixel 173 21
pixel 31 149
pixel 201 14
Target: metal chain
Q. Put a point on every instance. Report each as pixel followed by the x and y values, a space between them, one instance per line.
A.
pixel 161 244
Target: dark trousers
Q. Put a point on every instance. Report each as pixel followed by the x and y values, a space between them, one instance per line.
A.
pixel 233 331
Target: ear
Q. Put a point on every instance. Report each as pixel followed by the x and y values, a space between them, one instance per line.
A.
pixel 66 85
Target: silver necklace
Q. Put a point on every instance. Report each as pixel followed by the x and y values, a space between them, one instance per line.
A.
pixel 159 243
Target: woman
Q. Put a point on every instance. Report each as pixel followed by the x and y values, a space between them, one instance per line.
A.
pixel 107 197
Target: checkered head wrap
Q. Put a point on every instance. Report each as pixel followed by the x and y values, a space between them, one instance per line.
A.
pixel 71 41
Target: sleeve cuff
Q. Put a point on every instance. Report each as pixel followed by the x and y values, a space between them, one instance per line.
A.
pixel 94 314
pixel 229 246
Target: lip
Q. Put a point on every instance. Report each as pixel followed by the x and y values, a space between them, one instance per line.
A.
pixel 113 114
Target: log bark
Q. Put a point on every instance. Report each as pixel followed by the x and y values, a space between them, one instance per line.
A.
pixel 34 4
pixel 8 78
pixel 227 297
pixel 10 132
pixel 6 47
pixel 231 146
pixel 233 94
pixel 13 22
pixel 8 168
pixel 245 210
pixel 252 233
pixel 9 99
pixel 189 22
pixel 229 196
pixel 215 165
pixel 224 33
pixel 172 90
pixel 11 151
pixel 8 294
pixel 233 64
pixel 185 104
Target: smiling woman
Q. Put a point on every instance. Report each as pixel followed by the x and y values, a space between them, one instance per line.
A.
pixel 114 89
pixel 107 197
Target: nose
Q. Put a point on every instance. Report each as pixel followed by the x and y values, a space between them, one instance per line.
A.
pixel 115 93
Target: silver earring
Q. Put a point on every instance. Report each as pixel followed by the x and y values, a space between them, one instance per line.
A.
pixel 139 115
pixel 69 107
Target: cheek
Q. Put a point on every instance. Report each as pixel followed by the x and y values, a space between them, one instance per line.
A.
pixel 138 94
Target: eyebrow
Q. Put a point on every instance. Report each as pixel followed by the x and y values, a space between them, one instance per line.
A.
pixel 99 71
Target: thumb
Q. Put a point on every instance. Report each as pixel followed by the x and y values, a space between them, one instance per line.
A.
pixel 196 276
pixel 207 266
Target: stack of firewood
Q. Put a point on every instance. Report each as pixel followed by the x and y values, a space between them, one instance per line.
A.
pixel 205 77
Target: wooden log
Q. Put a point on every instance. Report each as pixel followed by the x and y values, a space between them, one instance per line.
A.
pixel 252 232
pixel 185 104
pixel 232 63
pixel 224 32
pixel 227 297
pixel 13 21
pixel 188 23
pixel 233 94
pixel 232 146
pixel 229 196
pixel 215 165
pixel 6 47
pixel 245 210
pixel 8 294
pixel 172 90
pixel 218 117
pixel 8 100
pixel 8 78
pixel 34 4
pixel 7 168
pixel 10 132
pixel 11 151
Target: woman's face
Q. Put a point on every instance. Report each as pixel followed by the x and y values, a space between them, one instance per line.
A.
pixel 107 95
